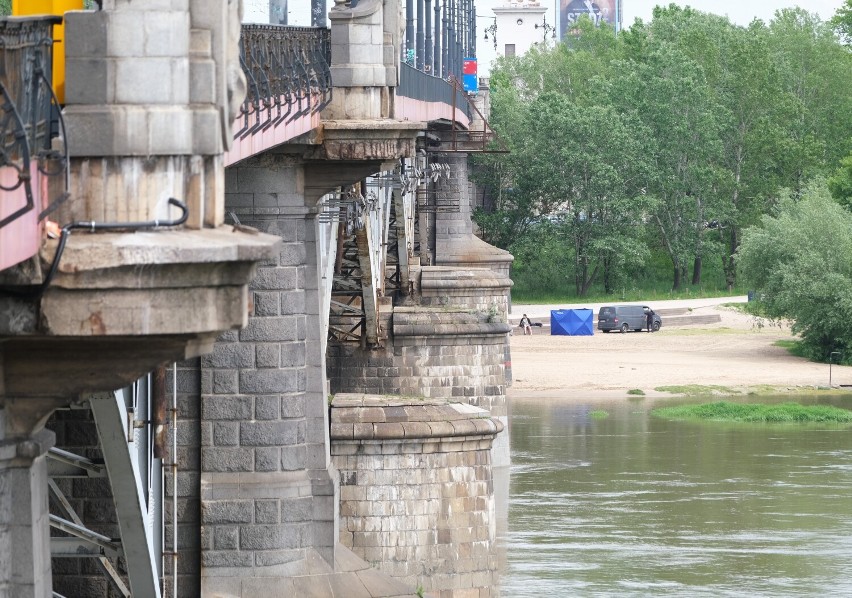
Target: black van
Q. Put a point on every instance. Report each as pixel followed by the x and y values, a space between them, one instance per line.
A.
pixel 626 318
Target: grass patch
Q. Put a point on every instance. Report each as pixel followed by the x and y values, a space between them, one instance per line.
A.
pixel 697 390
pixel 599 414
pixel 724 411
pixel 793 347
pixel 636 391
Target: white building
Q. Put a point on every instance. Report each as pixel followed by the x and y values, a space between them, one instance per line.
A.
pixel 519 25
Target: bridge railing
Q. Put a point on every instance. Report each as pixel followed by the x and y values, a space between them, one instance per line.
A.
pixel 287 72
pixel 27 112
pixel 414 83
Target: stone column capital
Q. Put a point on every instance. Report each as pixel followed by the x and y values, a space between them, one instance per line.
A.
pixel 21 452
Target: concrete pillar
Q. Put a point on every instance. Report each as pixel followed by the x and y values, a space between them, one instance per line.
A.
pixel 456 245
pixel 267 497
pixel 24 525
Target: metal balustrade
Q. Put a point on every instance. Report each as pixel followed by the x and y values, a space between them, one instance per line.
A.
pixel 26 108
pixel 287 72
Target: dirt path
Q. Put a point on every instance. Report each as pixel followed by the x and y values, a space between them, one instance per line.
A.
pixel 738 353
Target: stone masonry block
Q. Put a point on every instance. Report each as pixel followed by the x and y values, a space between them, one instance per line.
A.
pixel 266 511
pixel 232 459
pixel 126 38
pixel 227 511
pixel 211 559
pixel 266 303
pixel 293 406
pixel 293 458
pixel 280 328
pixel 267 459
pixel 85 34
pixel 89 81
pixel 271 381
pixel 206 128
pixel 201 43
pixel 292 302
pixel 292 355
pixel 277 433
pixel 297 510
pixel 230 356
pixel 267 537
pixel 268 355
pixel 144 81
pixel 267 407
pixel 284 279
pixel 226 537
pixel 166 33
pixel 179 122
pixel 226 408
pixel 226 433
pixel 225 381
pixel 292 254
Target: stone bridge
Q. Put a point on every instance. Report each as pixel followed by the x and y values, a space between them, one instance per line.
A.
pixel 220 268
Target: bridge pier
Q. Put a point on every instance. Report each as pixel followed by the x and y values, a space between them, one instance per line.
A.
pixel 268 492
pixel 25 569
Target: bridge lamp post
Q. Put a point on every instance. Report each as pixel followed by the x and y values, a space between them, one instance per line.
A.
pixel 546 28
pixel 831 357
pixel 492 29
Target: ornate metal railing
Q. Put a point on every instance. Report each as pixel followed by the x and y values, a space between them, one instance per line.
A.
pixel 26 106
pixel 288 74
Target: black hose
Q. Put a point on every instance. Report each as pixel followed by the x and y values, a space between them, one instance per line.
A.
pixel 37 292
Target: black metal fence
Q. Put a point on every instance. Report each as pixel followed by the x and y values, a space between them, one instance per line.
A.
pixel 288 74
pixel 414 83
pixel 26 99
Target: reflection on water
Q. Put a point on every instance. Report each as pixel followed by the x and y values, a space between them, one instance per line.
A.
pixel 640 506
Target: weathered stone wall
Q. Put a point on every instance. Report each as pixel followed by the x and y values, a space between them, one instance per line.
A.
pixel 266 495
pixel 416 491
pixel 477 289
pixel 449 353
pixel 435 353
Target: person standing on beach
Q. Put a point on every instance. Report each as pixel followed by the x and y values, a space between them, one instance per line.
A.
pixel 649 319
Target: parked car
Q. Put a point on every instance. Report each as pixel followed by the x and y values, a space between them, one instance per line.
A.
pixel 626 318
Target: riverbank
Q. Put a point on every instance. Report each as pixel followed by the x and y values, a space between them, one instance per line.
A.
pixel 737 354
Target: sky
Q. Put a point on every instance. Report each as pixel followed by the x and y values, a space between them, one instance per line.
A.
pixel 741 12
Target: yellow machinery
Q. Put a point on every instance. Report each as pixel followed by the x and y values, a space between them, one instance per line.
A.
pixel 22 8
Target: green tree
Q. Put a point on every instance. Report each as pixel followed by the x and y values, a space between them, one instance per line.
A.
pixel 5 8
pixel 842 22
pixel 588 164
pixel 800 260
pixel 670 93
pixel 840 185
pixel 816 76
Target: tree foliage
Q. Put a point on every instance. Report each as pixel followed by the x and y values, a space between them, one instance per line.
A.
pixel 683 129
pixel 800 260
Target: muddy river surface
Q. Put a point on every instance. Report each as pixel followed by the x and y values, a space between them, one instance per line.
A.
pixel 634 505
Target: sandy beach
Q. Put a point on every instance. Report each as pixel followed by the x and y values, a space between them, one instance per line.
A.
pixel 737 353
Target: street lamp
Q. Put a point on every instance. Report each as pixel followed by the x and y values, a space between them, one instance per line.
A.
pixel 546 27
pixel 492 29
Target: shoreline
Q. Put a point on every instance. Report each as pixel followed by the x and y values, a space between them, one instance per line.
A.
pixel 738 355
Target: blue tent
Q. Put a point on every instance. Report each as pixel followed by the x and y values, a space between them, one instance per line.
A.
pixel 572 322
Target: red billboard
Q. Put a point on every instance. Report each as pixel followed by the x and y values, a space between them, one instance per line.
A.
pixel 599 11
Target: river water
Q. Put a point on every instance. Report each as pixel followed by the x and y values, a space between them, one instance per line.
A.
pixel 634 505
